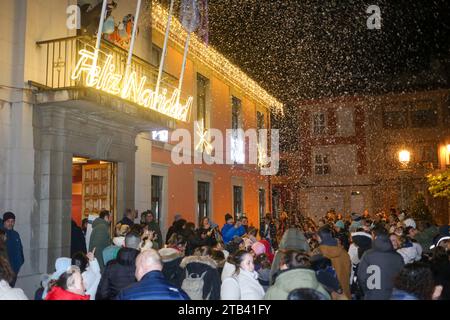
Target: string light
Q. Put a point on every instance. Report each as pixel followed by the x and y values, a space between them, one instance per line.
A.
pixel 203 144
pixel 212 58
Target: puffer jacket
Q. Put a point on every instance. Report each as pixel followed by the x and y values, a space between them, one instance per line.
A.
pixel 411 252
pixel 118 274
pixel 293 239
pixel 383 257
pixel 58 293
pixel 200 265
pixel 242 286
pixel 288 280
pixel 153 286
pixel 341 264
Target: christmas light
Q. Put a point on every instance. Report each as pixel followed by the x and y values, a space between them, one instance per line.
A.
pixel 212 58
pixel 128 87
pixel 203 144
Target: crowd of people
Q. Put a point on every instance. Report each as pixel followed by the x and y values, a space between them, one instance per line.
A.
pixel 359 257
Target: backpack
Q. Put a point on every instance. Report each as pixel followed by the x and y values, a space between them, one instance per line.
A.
pixel 193 285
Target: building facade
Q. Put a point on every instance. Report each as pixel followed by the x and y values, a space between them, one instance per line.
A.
pixel 74 141
pixel 348 154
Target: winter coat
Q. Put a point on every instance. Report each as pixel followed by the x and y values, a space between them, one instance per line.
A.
pixel 15 250
pixel 243 286
pixel 389 262
pixel 110 253
pixel 8 293
pixel 264 278
pixel 91 278
pixel 58 293
pixel 208 241
pixel 99 239
pixel 441 273
pixel 425 238
pixel 288 280
pixel 78 241
pixel 118 274
pixel 293 239
pixel 171 259
pixel 200 265
pixel 341 264
pixel 229 232
pixel 154 226
pixel 228 270
pixel 153 286
pixel 411 252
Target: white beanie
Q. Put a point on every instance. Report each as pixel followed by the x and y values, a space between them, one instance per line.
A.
pixel 410 223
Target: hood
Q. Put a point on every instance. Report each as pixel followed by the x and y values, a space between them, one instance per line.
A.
pixel 331 252
pixel 98 222
pixel 58 293
pixel 61 266
pixel 362 239
pixel 382 243
pixel 169 254
pixel 127 256
pixel 297 278
pixel 293 239
pixel 199 259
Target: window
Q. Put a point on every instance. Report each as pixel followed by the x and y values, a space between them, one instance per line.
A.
pixel 156 55
pixel 428 154
pixel 395 120
pixel 424 118
pixel 157 184
pixel 160 135
pixel 202 200
pixel 237 145
pixel 237 202
pixel 262 204
pixel 319 123
pixel 260 120
pixel 321 165
pixel 202 89
pixel 283 168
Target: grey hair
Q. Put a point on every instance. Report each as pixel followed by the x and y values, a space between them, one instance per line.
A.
pixel 132 241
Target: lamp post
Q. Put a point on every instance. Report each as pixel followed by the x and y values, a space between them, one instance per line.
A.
pixel 404 157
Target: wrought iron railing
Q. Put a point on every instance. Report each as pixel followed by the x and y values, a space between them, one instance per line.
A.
pixel 59 58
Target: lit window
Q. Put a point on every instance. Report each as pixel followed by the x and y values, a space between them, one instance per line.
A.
pixel 160 135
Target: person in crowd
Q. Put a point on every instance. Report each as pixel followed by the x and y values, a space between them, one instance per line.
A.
pixel 84 225
pixel 339 257
pixel 61 265
pixel 206 234
pixel 43 283
pixel 231 229
pixel 219 258
pixel 176 227
pixel 119 273
pixel 200 278
pixel 151 283
pixel 268 230
pixel 426 232
pixel 150 221
pixel 293 239
pixel 415 282
pixel 148 239
pixel 440 264
pixel 128 217
pixel 361 242
pixel 243 285
pixel 385 261
pixel 171 257
pixel 78 240
pixel 100 238
pixel 395 240
pixel 252 233
pixel 191 237
pixel 244 222
pixel 13 245
pixel 410 250
pixel 283 225
pixel 90 271
pixel 295 272
pixel 6 277
pixel 306 294
pixel 356 223
pixel 341 234
pixel 110 252
pixel 3 247
pixel 325 273
pixel 69 286
pixel 263 266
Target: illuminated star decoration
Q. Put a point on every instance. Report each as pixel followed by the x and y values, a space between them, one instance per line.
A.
pixel 203 144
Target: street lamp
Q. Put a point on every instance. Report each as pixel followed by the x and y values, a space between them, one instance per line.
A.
pixel 404 156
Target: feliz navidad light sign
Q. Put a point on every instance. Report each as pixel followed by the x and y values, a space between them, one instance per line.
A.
pixel 128 86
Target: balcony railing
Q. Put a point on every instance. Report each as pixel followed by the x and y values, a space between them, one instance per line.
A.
pixel 60 56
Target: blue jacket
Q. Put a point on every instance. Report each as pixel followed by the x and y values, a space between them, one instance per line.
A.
pixel 15 250
pixel 153 286
pixel 229 231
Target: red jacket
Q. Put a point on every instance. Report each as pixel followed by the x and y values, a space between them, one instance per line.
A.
pixel 268 249
pixel 58 293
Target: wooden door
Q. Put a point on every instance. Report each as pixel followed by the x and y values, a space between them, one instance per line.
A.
pixel 97 190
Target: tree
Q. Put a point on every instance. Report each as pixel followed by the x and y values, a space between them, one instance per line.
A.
pixel 420 210
pixel 439 184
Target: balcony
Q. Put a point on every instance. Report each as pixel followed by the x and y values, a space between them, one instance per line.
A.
pixel 58 58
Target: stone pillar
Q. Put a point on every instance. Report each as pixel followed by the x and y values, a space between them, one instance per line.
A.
pixel 143 174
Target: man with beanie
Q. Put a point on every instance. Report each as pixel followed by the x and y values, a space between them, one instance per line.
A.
pixel 330 248
pixel 13 244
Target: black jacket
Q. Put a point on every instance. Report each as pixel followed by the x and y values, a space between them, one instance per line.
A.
pixel 171 259
pixel 381 261
pixel 199 265
pixel 78 241
pixel 118 274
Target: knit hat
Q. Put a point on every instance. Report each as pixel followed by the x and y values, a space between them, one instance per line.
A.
pixel 61 266
pixel 410 223
pixel 340 224
pixel 8 215
pixel 258 248
pixel 228 217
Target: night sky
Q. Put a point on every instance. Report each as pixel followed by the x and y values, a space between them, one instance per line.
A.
pixel 310 49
